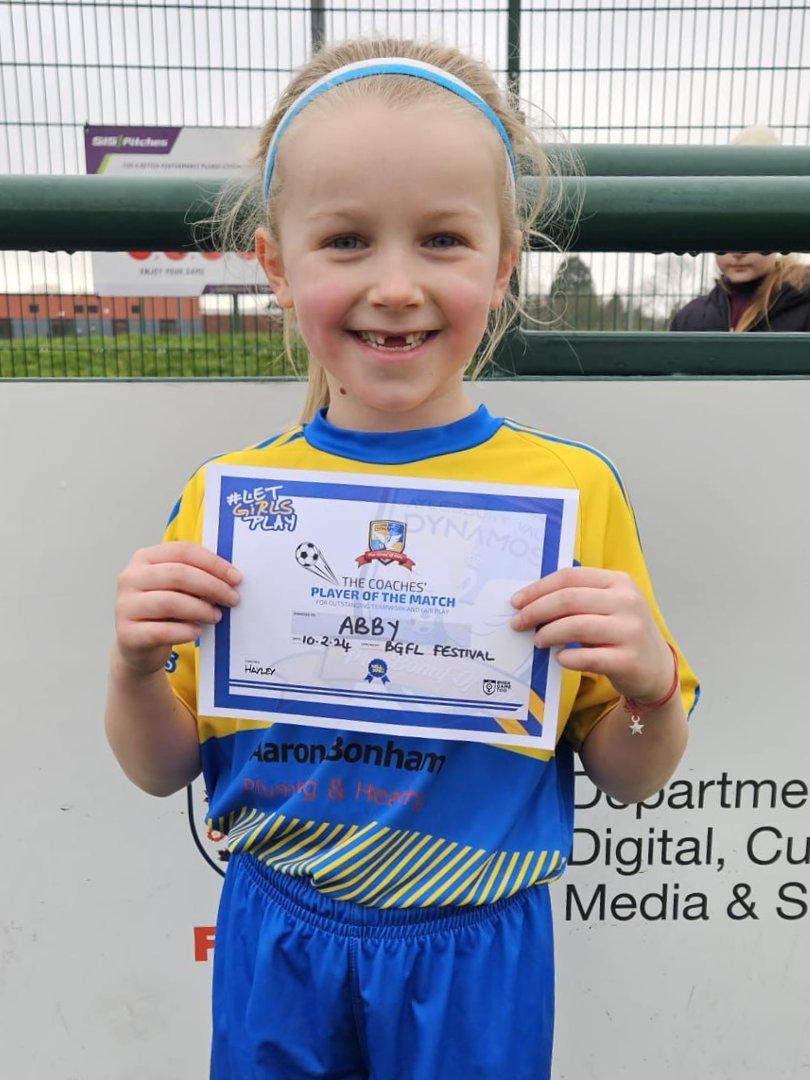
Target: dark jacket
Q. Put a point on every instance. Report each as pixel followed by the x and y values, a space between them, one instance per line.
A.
pixel 789 312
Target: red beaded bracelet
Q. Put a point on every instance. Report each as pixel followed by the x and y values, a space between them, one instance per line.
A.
pixel 637 709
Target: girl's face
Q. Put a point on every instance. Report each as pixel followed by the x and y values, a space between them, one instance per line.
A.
pixel 742 266
pixel 391 254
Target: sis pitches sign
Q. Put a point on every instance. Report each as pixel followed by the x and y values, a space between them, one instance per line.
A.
pixel 188 152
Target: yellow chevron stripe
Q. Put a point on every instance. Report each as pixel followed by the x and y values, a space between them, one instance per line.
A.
pixel 406 858
pixel 404 840
pixel 236 819
pixel 374 856
pixel 552 876
pixel 235 837
pixel 413 875
pixel 271 853
pixel 505 878
pixel 511 725
pixel 516 885
pixel 297 828
pixel 403 862
pixel 476 877
pixel 537 707
pixel 280 828
pixel 360 847
pixel 434 896
pixel 293 865
pixel 239 827
pixel 495 870
pixel 437 877
pixel 538 869
pixel 277 837
pixel 345 839
pixel 277 826
pixel 413 878
pixel 280 863
pixel 249 842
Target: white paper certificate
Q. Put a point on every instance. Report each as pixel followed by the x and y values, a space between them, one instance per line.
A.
pixel 381 604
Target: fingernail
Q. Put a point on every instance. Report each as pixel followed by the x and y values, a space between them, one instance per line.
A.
pixel 516 598
pixel 233 597
pixel 217 615
pixel 234 575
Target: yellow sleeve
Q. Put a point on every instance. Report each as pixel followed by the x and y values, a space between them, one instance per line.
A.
pixel 609 539
pixel 185 523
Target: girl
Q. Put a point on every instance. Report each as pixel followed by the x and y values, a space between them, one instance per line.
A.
pixel 408 934
pixel 755 291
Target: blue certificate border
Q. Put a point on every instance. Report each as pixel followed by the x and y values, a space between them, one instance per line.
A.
pixel 226 695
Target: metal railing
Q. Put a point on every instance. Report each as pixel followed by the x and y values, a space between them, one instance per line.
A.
pixel 669 213
pixel 608 213
pixel 615 72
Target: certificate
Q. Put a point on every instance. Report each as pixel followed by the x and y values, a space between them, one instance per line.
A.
pixel 381 604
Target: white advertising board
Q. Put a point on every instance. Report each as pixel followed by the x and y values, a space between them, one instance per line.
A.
pixel 186 153
pixel 682 924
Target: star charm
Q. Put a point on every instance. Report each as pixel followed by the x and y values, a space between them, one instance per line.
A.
pixel 636 727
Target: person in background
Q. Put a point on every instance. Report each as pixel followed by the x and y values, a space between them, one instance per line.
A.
pixel 755 290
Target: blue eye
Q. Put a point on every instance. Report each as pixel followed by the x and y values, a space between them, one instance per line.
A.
pixel 443 241
pixel 344 243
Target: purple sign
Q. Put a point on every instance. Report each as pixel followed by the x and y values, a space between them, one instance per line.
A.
pixel 99 142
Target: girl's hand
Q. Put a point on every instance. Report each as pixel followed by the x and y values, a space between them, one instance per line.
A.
pixel 165 596
pixel 604 613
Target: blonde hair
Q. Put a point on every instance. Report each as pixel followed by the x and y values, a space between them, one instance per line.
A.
pixel 756 135
pixel 243 209
pixel 785 271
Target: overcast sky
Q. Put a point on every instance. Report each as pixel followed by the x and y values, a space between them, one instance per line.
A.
pixel 631 71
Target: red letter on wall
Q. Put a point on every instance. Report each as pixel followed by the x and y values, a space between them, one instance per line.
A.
pixel 203 942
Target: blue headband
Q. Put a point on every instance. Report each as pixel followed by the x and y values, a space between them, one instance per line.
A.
pixel 392 65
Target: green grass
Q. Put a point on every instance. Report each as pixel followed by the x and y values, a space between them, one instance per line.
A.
pixel 167 356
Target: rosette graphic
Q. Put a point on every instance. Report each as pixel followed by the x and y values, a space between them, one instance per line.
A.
pixel 311 557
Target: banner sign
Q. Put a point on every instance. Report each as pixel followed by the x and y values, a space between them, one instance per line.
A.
pixel 187 152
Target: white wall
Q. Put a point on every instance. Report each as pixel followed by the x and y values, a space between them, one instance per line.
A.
pixel 101 887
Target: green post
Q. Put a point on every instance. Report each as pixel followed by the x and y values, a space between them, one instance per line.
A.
pixel 513 51
pixel 317 24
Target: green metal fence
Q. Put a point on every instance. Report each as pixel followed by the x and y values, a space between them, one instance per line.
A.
pixel 638 72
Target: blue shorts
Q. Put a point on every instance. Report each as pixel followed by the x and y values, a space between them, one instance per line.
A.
pixel 305 986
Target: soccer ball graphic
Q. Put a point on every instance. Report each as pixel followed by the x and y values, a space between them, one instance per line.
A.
pixel 311 558
pixel 307 555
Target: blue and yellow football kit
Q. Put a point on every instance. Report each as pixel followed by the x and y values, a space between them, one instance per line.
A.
pixel 384 912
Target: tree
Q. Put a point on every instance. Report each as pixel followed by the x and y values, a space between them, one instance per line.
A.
pixel 614 314
pixel 668 288
pixel 573 299
pixel 572 278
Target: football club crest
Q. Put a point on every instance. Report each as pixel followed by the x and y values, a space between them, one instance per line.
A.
pixel 210 843
pixel 386 544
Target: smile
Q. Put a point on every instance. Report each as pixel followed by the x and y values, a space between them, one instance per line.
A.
pixel 393 342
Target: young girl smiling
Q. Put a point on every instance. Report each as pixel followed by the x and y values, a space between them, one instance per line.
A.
pixel 385 938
